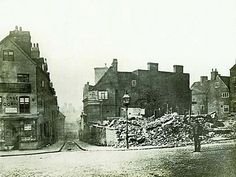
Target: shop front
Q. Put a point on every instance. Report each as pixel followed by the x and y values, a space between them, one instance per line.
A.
pixel 18 134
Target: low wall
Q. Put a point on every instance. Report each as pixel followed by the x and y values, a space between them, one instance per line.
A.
pixel 101 135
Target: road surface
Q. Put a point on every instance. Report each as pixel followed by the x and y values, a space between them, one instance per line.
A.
pixel 213 161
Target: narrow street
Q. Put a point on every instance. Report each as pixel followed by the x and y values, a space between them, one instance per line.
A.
pixel 214 161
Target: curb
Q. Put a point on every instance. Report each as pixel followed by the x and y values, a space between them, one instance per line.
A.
pixel 113 149
pixel 45 152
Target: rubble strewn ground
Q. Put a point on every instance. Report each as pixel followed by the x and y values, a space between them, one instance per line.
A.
pixel 170 130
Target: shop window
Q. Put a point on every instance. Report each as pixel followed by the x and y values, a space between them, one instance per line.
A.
pixel 226 108
pixel 103 95
pixel 22 77
pixel 225 95
pixel 24 104
pixel 2 137
pixel 28 131
pixel 8 55
pixel 133 83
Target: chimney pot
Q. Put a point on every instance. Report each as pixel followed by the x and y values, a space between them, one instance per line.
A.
pixel 20 28
pixel 37 45
pixel 16 28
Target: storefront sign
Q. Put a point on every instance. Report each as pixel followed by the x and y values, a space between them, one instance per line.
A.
pixel 27 127
pixel 11 110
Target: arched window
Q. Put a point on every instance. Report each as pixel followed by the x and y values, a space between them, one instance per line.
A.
pixel 24 104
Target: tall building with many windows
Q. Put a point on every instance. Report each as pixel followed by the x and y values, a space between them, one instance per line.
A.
pixel 28 102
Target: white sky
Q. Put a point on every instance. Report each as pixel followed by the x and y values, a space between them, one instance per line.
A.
pixel 78 35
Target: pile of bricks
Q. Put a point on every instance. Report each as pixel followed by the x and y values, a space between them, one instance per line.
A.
pixel 170 130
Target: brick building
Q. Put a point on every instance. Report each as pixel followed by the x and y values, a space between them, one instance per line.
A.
pixel 155 91
pixel 28 101
pixel 212 95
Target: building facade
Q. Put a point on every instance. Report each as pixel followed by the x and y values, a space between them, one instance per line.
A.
pixel 212 95
pixel 28 101
pixel 155 91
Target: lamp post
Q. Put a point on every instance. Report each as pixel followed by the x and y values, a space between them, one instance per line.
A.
pixel 126 102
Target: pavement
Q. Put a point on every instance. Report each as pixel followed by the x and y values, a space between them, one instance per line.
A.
pixel 59 146
pixel 48 149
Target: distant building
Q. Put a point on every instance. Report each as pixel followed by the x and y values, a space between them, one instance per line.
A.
pixel 72 120
pixel 155 91
pixel 28 102
pixel 212 95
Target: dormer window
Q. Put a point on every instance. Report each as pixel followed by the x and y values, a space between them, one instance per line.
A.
pixel 8 55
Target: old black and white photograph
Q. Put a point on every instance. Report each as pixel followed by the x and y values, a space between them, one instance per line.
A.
pixel 117 88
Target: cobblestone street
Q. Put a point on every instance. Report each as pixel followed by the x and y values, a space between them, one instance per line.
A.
pixel 214 161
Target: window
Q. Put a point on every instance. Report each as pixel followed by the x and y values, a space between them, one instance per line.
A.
pixel 28 130
pixel 133 83
pixel 24 104
pixel 225 95
pixel 217 85
pixel 43 83
pixel 102 95
pixel 22 77
pixel 226 108
pixel 8 55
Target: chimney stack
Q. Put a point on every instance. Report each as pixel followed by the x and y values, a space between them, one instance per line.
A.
pixel 152 66
pixel 203 79
pixel 115 64
pixel 214 74
pixel 178 69
pixel 35 53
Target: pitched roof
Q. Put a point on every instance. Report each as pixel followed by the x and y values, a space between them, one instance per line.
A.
pixel 15 44
pixel 233 67
pixel 226 80
pixel 200 87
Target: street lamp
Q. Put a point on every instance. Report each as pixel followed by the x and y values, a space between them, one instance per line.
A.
pixel 126 102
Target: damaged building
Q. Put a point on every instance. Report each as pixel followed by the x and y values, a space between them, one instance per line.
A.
pixel 156 91
pixel 29 112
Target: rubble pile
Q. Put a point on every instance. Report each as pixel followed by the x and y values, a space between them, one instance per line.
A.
pixel 170 130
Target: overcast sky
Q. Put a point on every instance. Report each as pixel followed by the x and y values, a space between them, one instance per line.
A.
pixel 78 35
